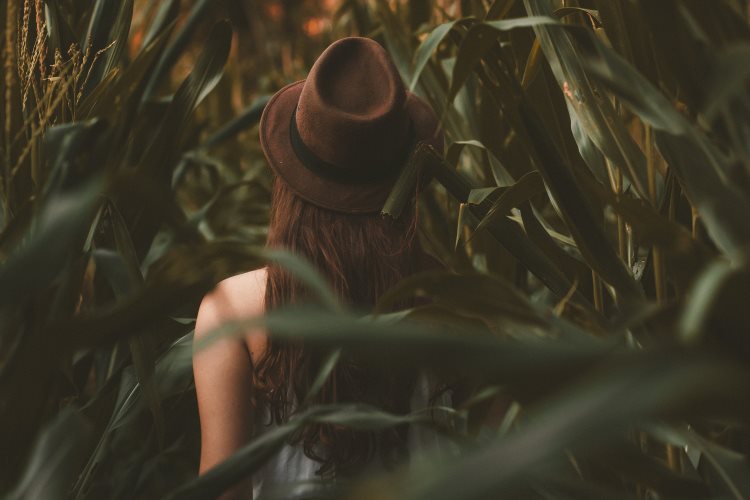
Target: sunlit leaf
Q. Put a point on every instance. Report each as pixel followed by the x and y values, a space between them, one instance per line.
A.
pixel 425 50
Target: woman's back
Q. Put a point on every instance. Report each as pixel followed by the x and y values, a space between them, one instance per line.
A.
pixel 336 142
pixel 289 473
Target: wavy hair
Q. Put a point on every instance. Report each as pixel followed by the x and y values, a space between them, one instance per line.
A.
pixel 361 256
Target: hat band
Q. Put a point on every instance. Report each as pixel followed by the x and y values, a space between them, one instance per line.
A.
pixel 335 173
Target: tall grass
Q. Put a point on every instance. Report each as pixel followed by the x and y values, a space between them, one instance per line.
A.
pixel 592 205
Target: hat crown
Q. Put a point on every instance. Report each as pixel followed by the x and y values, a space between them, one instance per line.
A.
pixel 343 79
pixel 339 138
pixel 351 112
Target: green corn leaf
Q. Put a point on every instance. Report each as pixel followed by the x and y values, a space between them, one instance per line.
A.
pixel 59 32
pixel 527 186
pixel 108 34
pixel 55 458
pixel 249 458
pixel 245 120
pixel 732 468
pixel 165 15
pixel 594 111
pixel 176 48
pixel 62 223
pixel 307 274
pixel 474 46
pixel 696 161
pixel 425 50
pixel 206 74
pixel 590 414
pixel 580 218
pixel 110 98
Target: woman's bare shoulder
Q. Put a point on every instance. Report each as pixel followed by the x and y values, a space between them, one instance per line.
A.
pixel 237 297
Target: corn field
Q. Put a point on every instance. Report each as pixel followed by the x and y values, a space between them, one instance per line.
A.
pixel 591 207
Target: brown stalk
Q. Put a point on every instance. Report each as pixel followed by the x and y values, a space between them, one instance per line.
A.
pixel 23 50
pixel 37 132
pixel 91 67
pixel 29 66
pixel 650 164
pixel 658 260
pixel 41 33
pixel 657 254
pixel 9 67
pixel 40 101
pixel 597 286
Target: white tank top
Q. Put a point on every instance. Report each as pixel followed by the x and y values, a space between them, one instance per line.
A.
pixel 291 474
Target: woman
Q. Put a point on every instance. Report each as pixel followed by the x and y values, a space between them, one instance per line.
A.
pixel 336 142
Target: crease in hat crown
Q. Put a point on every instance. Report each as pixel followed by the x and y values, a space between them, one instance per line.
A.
pixel 352 112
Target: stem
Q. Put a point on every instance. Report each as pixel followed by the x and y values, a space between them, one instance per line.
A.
pixel 597 286
pixel 673 458
pixel 11 16
pixel 650 167
pixel 658 260
pixel 621 236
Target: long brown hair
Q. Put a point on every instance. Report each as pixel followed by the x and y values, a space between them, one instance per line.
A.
pixel 361 256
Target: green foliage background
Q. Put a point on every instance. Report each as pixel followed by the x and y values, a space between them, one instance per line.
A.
pixel 593 203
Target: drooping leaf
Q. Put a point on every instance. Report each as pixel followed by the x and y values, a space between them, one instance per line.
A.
pixel 54 461
pixel 172 53
pixel 728 79
pixel 654 229
pixel 462 293
pixel 587 416
pixel 579 216
pixel 323 374
pixel 527 186
pixel 425 50
pixel 127 87
pixel 141 346
pixel 474 46
pixel 165 15
pixel 106 36
pixel 62 223
pixel 172 375
pixel 732 467
pixel 249 458
pixel 576 271
pixel 702 298
pixel 591 13
pixel 62 143
pixel 206 74
pixel 307 274
pixel 507 233
pixel 244 120
pixel 496 358
pixel 594 111
pixel 701 167
pixel 631 462
pixel 59 32
pixel 480 39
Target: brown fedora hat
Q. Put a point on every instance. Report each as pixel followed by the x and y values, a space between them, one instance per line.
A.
pixel 339 138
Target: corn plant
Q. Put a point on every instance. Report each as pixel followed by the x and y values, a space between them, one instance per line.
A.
pixel 591 206
pixel 102 259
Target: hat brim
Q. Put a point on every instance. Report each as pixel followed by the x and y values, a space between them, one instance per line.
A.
pixel 341 197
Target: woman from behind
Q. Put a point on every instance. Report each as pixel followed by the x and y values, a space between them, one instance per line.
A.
pixel 336 142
